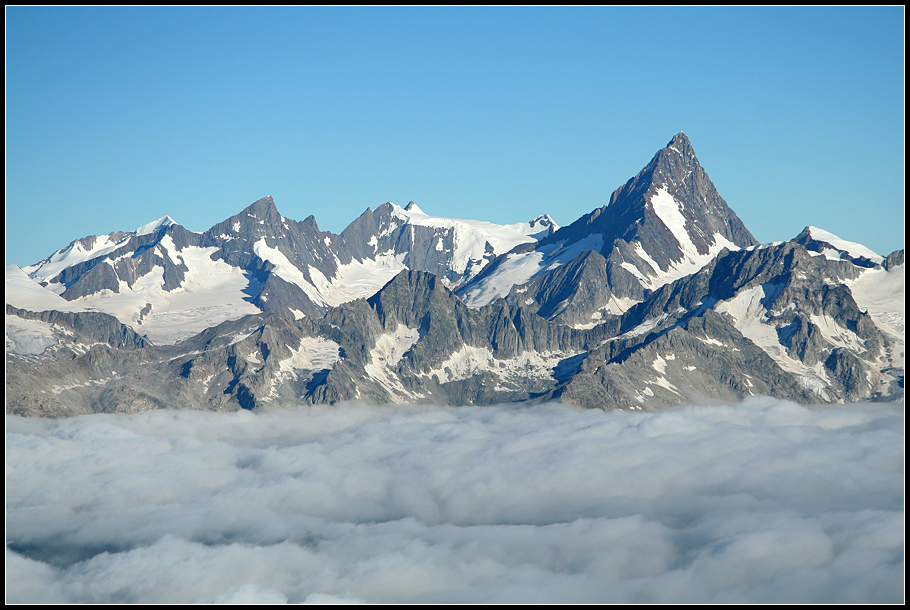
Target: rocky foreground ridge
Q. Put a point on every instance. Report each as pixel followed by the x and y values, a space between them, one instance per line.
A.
pixel 660 298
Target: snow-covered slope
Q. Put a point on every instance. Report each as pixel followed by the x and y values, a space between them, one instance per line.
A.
pixel 24 292
pixel 211 293
pixel 454 249
pixel 519 267
pixel 821 242
pixel 665 223
pixel 693 258
pixel 88 248
pixel 169 283
pixel 880 292
pixel 658 299
pixel 473 239
pixel 852 249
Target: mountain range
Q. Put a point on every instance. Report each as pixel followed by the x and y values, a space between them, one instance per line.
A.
pixel 661 297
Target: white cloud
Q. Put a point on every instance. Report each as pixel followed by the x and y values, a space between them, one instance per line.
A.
pixel 764 501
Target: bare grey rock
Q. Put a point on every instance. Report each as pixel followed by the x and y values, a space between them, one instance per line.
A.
pixel 595 328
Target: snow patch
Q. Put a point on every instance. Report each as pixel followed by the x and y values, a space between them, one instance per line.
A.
pixel 665 383
pixel 645 326
pixel 238 337
pixel 641 252
pixel 285 269
pixel 518 269
pixel 471 236
pixel 463 364
pixel 750 318
pixel 28 337
pixel 838 335
pixel 212 292
pixel 390 347
pixel 667 209
pixel 388 351
pixel 469 361
pixel 361 279
pixel 312 354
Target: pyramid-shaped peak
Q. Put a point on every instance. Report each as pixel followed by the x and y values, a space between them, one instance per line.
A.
pixel 416 284
pixel 543 220
pixel 262 208
pixel 414 209
pixel 680 143
pixel 680 138
pixel 164 221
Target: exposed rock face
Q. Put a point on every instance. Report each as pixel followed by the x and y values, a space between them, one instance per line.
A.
pixel 671 208
pixel 581 292
pixel 823 243
pixel 661 298
pixel 779 299
pixel 278 265
pixel 767 320
pixel 666 222
pixel 132 257
pixel 893 260
pixel 248 239
pixel 454 250
pixel 85 327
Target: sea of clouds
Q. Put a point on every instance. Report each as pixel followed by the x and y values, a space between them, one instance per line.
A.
pixel 762 501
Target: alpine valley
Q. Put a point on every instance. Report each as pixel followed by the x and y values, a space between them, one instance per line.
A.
pixel 662 297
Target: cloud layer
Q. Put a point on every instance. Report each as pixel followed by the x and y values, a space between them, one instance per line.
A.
pixel 763 501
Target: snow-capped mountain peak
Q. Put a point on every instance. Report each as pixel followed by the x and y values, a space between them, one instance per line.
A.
pixel 543 225
pixel 821 242
pixel 412 208
pixel 680 144
pixel 453 248
pixel 654 299
pixel 163 222
pixel 260 259
pixel 93 247
pixel 666 222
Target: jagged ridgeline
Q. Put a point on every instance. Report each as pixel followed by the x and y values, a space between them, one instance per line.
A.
pixel 660 298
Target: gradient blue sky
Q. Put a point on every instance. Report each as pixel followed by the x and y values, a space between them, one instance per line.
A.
pixel 118 116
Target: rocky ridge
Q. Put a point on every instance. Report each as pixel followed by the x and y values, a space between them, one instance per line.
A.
pixel 658 299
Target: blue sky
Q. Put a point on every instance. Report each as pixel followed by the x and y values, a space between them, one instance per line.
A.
pixel 118 116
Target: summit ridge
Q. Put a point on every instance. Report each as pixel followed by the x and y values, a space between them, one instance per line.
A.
pixel 660 297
